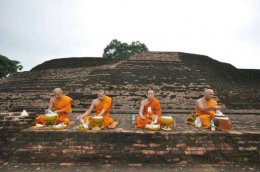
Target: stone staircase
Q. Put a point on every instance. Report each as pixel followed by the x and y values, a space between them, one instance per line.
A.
pixel 178 80
pixel 176 85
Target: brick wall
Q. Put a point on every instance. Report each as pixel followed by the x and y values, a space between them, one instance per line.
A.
pixel 10 125
pixel 136 147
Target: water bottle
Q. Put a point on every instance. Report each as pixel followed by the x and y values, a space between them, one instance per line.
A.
pixel 87 123
pixel 212 125
pixel 133 119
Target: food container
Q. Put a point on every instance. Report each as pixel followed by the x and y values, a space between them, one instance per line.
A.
pixel 59 126
pixel 167 120
pixel 83 127
pixel 50 117
pixel 97 120
pixel 152 127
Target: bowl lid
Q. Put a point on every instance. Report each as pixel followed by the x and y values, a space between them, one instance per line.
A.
pixel 152 125
pixel 168 117
pixel 97 117
pixel 51 114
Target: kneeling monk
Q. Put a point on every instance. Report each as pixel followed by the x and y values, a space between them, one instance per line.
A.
pixel 102 104
pixel 206 108
pixel 59 104
pixel 150 111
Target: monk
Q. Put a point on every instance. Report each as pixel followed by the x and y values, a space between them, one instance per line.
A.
pixel 102 105
pixel 59 104
pixel 150 111
pixel 206 108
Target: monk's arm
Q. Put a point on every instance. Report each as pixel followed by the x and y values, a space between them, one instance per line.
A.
pixel 200 105
pixel 141 110
pixel 50 107
pixel 157 111
pixel 102 112
pixel 88 112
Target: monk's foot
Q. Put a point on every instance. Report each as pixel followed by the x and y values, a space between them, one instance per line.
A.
pixel 38 126
pixel 113 125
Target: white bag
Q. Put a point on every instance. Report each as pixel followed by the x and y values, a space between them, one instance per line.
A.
pixel 24 113
pixel 197 122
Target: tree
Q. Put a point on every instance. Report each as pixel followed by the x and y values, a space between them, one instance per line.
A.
pixel 118 50
pixel 8 66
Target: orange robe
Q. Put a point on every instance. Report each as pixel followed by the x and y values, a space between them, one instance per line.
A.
pixel 106 105
pixel 63 105
pixel 206 117
pixel 156 110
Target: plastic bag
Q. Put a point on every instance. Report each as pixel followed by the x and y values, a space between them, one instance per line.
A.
pixel 197 122
pixel 24 113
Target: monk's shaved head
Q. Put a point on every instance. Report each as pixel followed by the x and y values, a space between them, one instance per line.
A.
pixel 57 93
pixel 101 91
pixel 150 94
pixel 208 94
pixel 101 94
pixel 208 91
pixel 150 91
pixel 57 90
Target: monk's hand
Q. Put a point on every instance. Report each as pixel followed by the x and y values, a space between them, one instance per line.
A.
pixel 217 107
pixel 52 100
pixel 80 117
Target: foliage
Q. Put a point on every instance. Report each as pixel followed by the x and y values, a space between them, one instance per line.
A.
pixel 118 50
pixel 8 66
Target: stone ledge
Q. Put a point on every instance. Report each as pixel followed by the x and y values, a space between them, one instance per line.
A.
pixel 134 147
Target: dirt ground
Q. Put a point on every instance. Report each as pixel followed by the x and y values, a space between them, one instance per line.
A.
pixel 67 167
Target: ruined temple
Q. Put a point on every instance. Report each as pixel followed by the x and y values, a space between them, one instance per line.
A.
pixel 178 79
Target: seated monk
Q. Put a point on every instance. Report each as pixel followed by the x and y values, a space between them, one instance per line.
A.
pixel 206 108
pixel 59 104
pixel 150 111
pixel 102 104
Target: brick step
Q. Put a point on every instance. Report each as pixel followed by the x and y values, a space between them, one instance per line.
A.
pixel 45 86
pixel 184 145
pixel 32 81
pixel 135 110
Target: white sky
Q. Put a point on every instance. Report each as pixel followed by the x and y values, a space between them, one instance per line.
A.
pixel 33 31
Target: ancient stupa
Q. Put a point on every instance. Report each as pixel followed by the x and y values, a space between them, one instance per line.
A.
pixel 178 79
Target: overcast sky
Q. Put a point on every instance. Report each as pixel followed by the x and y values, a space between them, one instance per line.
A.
pixel 33 31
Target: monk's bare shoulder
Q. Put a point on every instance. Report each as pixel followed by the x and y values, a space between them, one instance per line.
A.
pixel 144 102
pixel 95 102
pixel 199 100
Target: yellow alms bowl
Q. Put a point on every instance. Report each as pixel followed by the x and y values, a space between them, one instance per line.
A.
pixel 81 127
pixel 152 127
pixel 167 120
pixel 97 119
pixel 50 117
pixel 57 127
